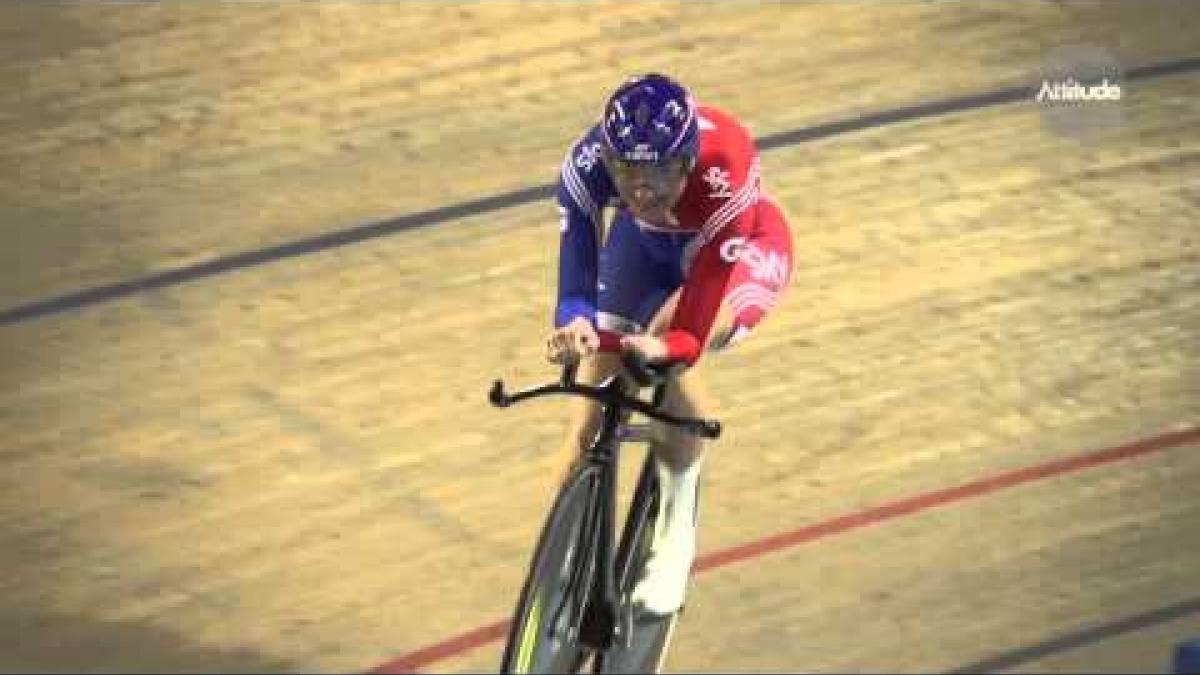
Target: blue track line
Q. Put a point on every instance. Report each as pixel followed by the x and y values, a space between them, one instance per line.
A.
pixel 236 261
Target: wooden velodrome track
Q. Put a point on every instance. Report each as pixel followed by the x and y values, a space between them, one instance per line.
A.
pixel 289 465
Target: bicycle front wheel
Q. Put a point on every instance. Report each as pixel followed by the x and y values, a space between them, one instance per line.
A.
pixel 544 635
pixel 644 638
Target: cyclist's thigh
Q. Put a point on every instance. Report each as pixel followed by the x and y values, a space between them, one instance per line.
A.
pixel 638 272
pixel 687 396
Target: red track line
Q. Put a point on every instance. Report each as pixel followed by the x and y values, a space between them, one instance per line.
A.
pixel 480 636
pixel 409 663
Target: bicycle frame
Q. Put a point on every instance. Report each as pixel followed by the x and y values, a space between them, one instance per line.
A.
pixel 599 621
pixel 597 581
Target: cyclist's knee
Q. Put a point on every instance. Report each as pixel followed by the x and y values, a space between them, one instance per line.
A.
pixel 685 397
pixel 677 451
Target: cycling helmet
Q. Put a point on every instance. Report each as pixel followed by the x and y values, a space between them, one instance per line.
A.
pixel 650 119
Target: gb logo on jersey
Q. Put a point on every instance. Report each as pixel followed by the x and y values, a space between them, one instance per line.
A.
pixel 588 156
pixel 769 267
pixel 718 180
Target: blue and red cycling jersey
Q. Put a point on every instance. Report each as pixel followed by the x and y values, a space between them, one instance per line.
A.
pixel 719 203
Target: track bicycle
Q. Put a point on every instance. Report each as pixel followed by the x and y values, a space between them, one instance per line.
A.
pixel 576 602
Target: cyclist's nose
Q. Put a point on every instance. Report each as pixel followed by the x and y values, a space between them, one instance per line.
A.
pixel 644 195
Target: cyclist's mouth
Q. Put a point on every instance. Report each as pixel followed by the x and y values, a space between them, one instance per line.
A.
pixel 651 204
pixel 646 198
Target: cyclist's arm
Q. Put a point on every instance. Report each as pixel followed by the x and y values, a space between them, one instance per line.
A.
pixel 699 301
pixel 579 205
pixel 708 275
pixel 709 272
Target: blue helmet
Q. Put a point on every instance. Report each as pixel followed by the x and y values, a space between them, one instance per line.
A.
pixel 650 119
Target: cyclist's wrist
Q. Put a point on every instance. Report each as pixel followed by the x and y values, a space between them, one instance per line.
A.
pixel 681 346
pixel 570 309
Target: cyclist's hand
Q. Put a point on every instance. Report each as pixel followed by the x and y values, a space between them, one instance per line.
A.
pixel 573 341
pixel 649 347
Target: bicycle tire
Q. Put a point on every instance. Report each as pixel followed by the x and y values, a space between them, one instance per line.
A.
pixel 649 635
pixel 564 544
pixel 638 530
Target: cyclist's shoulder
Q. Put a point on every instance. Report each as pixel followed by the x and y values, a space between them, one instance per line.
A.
pixel 584 150
pixel 583 157
pixel 725 180
pixel 726 148
pixel 582 174
pixel 711 114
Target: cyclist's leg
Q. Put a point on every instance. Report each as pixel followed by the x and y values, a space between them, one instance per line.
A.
pixel 678 462
pixel 759 277
pixel 635 277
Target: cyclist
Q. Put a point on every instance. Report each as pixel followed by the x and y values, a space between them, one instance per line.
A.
pixel 693 258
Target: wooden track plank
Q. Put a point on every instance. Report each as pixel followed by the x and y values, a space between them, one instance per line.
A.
pixel 276 468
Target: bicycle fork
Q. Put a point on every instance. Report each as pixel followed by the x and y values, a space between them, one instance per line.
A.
pixel 600 614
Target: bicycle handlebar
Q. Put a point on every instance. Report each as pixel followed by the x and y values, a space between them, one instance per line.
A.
pixel 613 396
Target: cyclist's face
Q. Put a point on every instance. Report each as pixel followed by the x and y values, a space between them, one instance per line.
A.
pixel 649 189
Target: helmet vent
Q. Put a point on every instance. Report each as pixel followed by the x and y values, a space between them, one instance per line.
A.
pixel 641 116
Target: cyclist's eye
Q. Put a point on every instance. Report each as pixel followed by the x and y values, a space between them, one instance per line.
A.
pixel 624 168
